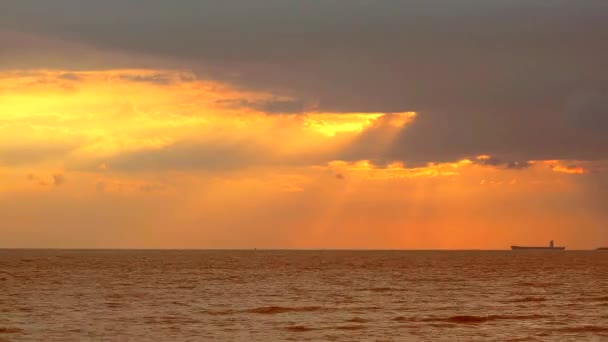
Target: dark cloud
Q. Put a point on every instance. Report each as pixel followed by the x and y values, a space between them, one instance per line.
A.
pixel 179 156
pixel 35 179
pixel 70 77
pixel 58 179
pixel 588 111
pixel 271 106
pixel 519 136
pixel 212 156
pixel 161 79
pixel 488 77
pixel 384 141
pixel 495 162
pixel 375 142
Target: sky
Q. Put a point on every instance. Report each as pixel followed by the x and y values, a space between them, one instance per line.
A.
pixel 384 124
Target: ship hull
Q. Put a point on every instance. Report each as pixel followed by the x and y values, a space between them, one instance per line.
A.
pixel 533 248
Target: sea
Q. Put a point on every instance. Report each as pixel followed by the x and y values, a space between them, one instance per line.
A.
pixel 312 295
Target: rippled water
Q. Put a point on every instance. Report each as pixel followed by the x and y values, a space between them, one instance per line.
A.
pixel 302 295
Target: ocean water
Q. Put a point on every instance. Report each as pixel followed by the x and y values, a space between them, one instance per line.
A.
pixel 69 295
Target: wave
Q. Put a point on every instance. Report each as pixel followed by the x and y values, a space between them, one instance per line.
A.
pixel 383 289
pixel 595 299
pixel 264 310
pixel 219 312
pixel 482 319
pixel 528 299
pixel 351 327
pixel 302 328
pixel 473 319
pixel 10 274
pixel 10 330
pixel 469 319
pixel 170 319
pixel 536 284
pixel 114 305
pixel 357 320
pixel 268 310
pixel 584 328
pixel 299 328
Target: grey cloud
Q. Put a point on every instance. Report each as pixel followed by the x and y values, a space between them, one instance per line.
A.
pixel 210 156
pixel 487 77
pixel 70 77
pixel 271 106
pixel 374 143
pixel 495 162
pixel 58 179
pixel 517 165
pixel 589 111
pixel 186 156
pixel 214 155
pixel 35 179
pixel 382 143
pixel 511 143
pixel 156 79
pixel 161 79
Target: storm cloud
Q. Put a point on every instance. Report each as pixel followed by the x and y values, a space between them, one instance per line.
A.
pixel 521 80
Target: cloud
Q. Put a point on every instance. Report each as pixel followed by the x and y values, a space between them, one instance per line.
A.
pixel 269 106
pixel 375 141
pixel 157 78
pixel 70 76
pixel 128 187
pixel 495 162
pixel 368 140
pixel 35 179
pixel 58 179
pixel 55 180
pixel 29 154
pixel 212 155
pixel 588 111
pixel 485 76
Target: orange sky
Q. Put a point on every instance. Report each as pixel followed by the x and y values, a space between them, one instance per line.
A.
pixel 150 158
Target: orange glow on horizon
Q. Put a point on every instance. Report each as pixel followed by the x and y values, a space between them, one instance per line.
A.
pixel 221 168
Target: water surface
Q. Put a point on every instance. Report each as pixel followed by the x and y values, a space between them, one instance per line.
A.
pixel 103 295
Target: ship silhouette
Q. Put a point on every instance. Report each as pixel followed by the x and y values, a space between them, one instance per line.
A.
pixel 551 247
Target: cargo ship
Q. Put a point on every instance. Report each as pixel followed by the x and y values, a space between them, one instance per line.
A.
pixel 551 247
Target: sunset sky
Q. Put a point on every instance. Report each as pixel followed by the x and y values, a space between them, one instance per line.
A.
pixel 303 124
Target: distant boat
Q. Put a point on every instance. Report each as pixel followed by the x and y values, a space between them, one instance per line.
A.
pixel 551 247
pixel 602 249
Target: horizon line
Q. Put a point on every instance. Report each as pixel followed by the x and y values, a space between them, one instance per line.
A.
pixel 262 249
